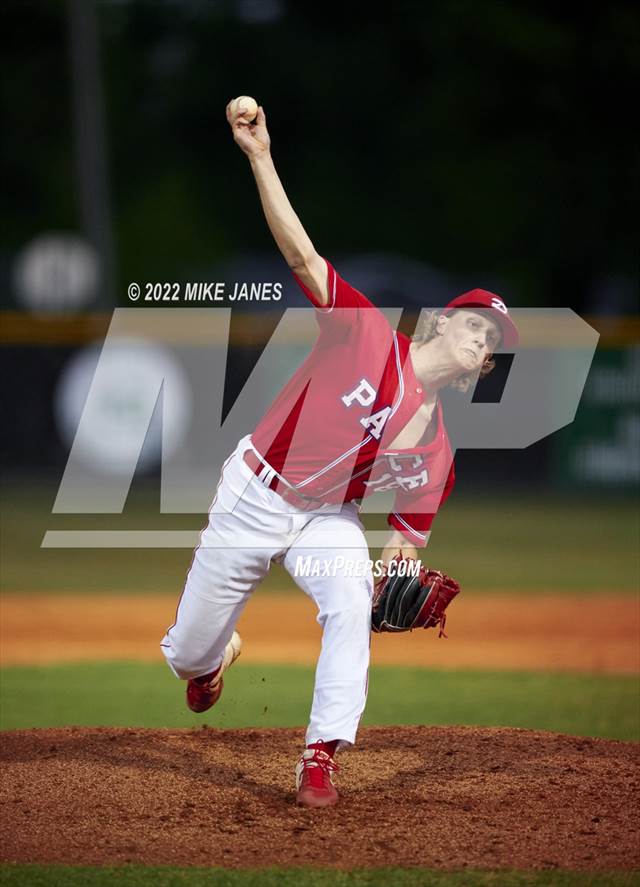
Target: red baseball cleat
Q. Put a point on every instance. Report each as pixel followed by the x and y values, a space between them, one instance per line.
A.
pixel 205 691
pixel 313 779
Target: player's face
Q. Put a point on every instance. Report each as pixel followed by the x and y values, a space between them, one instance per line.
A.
pixel 471 337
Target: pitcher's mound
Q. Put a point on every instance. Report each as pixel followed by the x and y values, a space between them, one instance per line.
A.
pixel 441 797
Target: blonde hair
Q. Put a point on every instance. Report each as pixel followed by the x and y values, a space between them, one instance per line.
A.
pixel 427 329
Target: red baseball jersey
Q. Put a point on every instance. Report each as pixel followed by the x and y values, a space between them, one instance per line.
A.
pixel 328 432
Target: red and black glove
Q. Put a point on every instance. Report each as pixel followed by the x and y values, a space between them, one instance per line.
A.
pixel 404 599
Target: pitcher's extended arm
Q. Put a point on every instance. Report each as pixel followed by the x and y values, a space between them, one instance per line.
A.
pixel 292 240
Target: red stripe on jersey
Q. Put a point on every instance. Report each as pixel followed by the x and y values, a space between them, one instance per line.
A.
pixel 326 431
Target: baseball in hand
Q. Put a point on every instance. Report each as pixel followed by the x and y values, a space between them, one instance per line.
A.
pixel 244 106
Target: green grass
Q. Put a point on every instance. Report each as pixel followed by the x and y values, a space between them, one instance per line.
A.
pixel 535 543
pixel 147 695
pixel 164 876
pixel 528 542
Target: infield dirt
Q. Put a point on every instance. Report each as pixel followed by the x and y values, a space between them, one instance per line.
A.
pixel 596 634
pixel 438 797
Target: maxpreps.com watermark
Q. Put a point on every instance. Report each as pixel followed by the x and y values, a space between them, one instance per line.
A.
pixel 342 566
pixel 204 293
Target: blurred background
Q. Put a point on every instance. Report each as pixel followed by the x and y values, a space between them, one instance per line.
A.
pixel 436 147
pixel 448 146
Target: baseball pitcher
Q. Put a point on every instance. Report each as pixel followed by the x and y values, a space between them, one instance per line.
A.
pixel 360 415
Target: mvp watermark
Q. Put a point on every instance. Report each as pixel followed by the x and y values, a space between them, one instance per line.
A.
pixel 150 398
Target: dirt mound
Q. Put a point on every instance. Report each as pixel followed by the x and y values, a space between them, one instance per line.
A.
pixel 431 796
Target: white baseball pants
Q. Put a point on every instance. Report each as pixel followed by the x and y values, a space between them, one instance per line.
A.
pixel 249 527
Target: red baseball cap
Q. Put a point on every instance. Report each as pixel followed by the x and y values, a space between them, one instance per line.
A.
pixel 495 306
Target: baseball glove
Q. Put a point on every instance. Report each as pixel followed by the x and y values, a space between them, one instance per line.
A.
pixel 413 600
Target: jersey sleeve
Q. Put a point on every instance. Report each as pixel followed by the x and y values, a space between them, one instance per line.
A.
pixel 413 514
pixel 345 301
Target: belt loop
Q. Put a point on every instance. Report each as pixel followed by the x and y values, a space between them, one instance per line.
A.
pixel 267 476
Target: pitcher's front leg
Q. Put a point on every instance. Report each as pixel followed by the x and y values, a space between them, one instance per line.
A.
pixel 343 599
